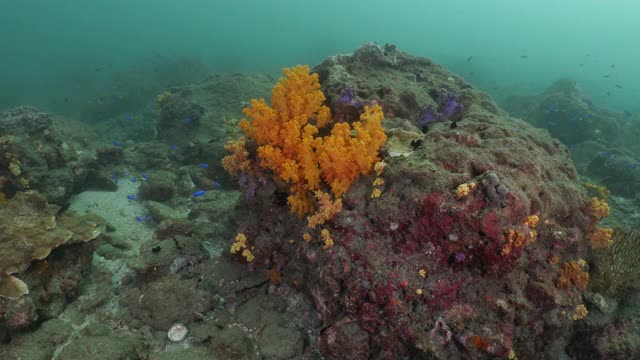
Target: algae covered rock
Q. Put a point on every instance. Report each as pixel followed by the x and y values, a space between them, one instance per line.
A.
pixel 29 229
pixel 43 152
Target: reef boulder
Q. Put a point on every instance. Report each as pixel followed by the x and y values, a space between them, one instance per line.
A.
pixel 458 249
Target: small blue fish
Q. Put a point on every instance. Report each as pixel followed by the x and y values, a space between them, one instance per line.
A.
pixel 145 176
pixel 203 166
pixel 216 184
pixel 575 118
pixel 572 147
pixel 589 115
pixel 631 165
pixel 133 179
pixel 198 193
pixel 187 120
pixel 115 178
pixel 605 154
pixel 116 143
pixel 131 197
pixel 148 218
pixel 128 117
pixel 173 147
pixel 139 218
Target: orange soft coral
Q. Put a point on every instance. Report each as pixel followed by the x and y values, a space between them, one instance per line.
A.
pixel 600 238
pixel 328 209
pixel 343 157
pixel 572 273
pixel 288 143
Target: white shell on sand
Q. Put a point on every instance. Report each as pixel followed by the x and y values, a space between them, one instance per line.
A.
pixel 177 332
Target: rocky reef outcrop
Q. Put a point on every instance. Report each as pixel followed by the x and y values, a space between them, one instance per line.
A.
pixel 43 152
pixel 468 244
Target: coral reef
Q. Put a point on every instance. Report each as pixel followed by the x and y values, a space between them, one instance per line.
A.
pixel 465 235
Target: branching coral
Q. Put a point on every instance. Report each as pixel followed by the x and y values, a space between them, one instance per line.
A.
pixel 289 144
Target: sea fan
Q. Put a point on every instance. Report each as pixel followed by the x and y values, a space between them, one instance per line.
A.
pixel 617 268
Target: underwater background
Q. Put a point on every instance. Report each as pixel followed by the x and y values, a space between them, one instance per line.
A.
pixel 75 48
pixel 319 180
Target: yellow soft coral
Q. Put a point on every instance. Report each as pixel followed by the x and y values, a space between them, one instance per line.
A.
pixel 376 193
pixel 289 145
pixel 532 221
pixel 377 184
pixel 240 245
pixel 580 312
pixel 326 239
pixel 598 208
pixel 514 240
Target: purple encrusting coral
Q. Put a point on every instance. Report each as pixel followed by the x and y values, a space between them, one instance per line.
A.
pixel 459 257
pixel 249 185
pixel 427 116
pixel 348 97
pixel 450 107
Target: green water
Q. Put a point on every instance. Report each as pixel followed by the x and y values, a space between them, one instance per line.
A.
pixel 57 54
pixel 141 97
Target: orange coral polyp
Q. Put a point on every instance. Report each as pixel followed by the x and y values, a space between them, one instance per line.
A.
pixel 288 145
